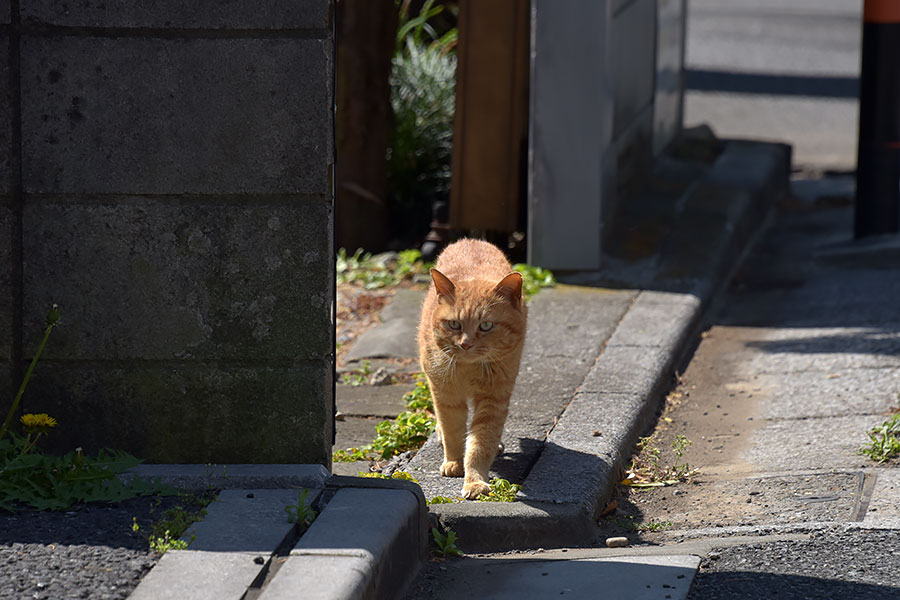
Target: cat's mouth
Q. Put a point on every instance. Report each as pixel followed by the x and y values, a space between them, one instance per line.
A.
pixel 473 354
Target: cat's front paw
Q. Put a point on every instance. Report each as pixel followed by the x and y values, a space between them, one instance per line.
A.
pixel 473 489
pixel 452 468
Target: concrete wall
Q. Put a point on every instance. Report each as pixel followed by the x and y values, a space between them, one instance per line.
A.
pixel 174 199
pixel 605 95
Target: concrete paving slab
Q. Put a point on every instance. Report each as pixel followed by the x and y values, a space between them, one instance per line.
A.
pixel 770 500
pixel 815 443
pixel 372 400
pixel 249 520
pixel 829 393
pixel 883 505
pixel 194 575
pixel 396 335
pixel 632 577
pixel 354 432
pixel 758 350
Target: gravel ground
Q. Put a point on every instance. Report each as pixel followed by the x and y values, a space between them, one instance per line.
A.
pixel 88 551
pixel 857 564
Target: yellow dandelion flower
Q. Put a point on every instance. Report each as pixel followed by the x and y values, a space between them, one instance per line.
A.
pixel 39 423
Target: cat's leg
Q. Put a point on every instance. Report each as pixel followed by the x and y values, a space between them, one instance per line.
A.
pixel 482 443
pixel 451 412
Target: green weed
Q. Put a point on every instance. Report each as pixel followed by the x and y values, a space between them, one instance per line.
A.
pixel 445 500
pixel 419 399
pixel 647 471
pixel 302 512
pixel 884 441
pixel 534 279
pixel 401 475
pixel 445 543
pixel 361 269
pixel 423 96
pixel 501 491
pixel 166 532
pixel 408 431
pixel 31 478
pixel 629 523
pixel 359 376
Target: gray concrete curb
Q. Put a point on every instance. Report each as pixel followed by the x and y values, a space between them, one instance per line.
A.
pixel 368 541
pixel 577 471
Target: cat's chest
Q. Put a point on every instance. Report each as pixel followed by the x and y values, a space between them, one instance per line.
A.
pixel 477 376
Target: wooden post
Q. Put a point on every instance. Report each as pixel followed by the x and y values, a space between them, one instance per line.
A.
pixel 491 123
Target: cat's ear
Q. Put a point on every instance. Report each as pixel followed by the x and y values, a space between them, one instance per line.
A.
pixel 510 287
pixel 444 287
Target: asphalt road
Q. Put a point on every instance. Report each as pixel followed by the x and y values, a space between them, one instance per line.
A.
pixel 783 70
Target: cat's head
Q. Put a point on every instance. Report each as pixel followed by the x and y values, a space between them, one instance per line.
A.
pixel 478 320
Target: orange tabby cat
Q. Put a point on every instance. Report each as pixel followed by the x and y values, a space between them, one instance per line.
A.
pixel 470 343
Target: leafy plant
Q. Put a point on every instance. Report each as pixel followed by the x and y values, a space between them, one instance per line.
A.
pixel 445 500
pixel 884 440
pixel 501 491
pixel 401 475
pixel 51 321
pixel 646 470
pixel 165 533
pixel 423 95
pixel 445 543
pixel 419 398
pixel 534 279
pixel 302 512
pixel 45 482
pixel 358 377
pixel 629 523
pixel 362 269
pixel 408 431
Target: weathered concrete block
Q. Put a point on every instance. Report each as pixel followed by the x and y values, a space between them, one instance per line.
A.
pixel 384 527
pixel 668 98
pixel 176 116
pixel 322 578
pixel 571 129
pixel 153 280
pixel 7 293
pixel 172 14
pixel 6 171
pixel 245 520
pixel 188 412
pixel 193 574
pixel 633 89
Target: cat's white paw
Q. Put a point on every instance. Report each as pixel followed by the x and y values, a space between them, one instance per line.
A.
pixel 452 468
pixel 473 489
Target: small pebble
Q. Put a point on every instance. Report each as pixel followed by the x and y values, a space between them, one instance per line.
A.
pixel 617 542
pixel 381 377
pixel 259 560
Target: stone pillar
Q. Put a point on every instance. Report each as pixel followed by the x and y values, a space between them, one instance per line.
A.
pixel 175 201
pixel 596 78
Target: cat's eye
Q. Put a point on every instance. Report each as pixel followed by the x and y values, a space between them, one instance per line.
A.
pixel 486 325
pixel 454 325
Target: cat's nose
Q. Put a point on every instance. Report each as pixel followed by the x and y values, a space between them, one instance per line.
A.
pixel 465 345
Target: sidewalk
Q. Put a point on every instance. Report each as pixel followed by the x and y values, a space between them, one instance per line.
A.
pixel 799 358
pixel 599 353
pixel 598 356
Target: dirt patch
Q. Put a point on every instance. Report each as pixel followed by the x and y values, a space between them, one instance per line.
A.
pixel 357 310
